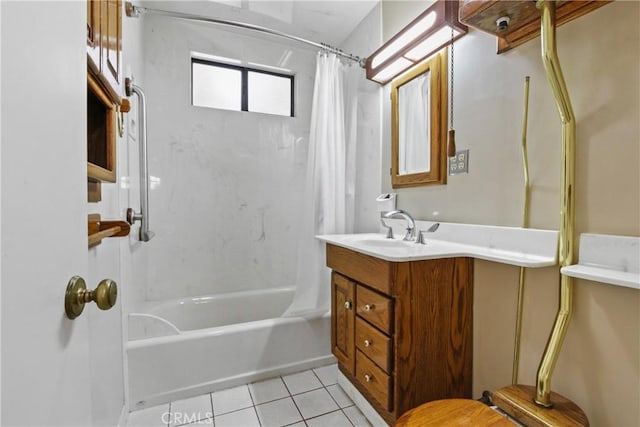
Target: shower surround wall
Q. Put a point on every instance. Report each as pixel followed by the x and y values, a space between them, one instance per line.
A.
pixel 227 186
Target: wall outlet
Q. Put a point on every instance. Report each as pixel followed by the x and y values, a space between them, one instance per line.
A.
pixel 459 163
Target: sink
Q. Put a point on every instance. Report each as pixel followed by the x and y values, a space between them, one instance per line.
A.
pixel 508 245
pixel 386 243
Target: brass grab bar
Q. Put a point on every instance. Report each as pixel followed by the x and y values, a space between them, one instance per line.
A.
pixel 567 196
pixel 525 224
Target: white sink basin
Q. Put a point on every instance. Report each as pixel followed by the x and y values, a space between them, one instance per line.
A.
pixel 508 245
pixel 386 243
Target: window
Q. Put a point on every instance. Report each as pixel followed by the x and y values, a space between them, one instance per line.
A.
pixel 239 88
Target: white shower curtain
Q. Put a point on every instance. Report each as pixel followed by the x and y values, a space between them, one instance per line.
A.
pixel 330 180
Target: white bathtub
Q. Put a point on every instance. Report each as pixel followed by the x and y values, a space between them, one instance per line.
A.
pixel 191 346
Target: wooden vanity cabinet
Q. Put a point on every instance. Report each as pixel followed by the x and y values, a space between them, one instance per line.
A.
pixel 402 331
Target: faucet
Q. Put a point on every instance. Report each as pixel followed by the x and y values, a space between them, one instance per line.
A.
pixel 411 225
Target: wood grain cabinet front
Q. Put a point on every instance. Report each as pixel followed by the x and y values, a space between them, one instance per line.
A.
pixel 402 331
pixel 104 44
pixel 342 321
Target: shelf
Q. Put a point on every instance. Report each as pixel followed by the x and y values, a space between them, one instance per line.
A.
pixel 614 260
pixel 524 24
pixel 99 230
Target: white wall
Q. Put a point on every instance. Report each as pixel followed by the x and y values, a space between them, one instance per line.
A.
pixel 598 366
pixel 226 209
pixel 115 258
pixel 365 39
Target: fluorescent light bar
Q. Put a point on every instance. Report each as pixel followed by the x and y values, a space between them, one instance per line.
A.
pixel 392 70
pixel 412 33
pixel 423 37
pixel 435 41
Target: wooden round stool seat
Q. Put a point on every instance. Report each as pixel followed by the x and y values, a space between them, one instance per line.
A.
pixel 453 412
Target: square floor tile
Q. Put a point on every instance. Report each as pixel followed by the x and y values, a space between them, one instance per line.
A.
pixel 266 391
pixel 339 396
pixel 327 374
pixel 190 410
pixel 244 418
pixel 314 403
pixel 333 419
pixel 150 417
pixel 205 422
pixel 301 382
pixel 231 399
pixel 278 413
pixel 357 418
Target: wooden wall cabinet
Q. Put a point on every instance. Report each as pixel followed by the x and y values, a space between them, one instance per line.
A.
pixel 104 91
pixel 402 331
pixel 104 44
pixel 524 17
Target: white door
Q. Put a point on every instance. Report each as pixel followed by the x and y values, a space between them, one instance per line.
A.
pixel 45 356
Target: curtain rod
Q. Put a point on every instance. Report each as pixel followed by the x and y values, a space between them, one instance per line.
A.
pixel 134 11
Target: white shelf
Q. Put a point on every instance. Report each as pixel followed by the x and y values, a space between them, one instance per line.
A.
pixel 614 260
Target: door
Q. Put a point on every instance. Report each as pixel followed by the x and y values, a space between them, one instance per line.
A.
pixel 45 356
pixel 343 321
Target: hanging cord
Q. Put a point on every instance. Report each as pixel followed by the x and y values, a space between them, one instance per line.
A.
pixel 451 148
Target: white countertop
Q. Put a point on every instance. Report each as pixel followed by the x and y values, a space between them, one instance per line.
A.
pixel 614 260
pixel 507 245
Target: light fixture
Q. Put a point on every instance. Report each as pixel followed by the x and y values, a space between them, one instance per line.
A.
pixel 425 35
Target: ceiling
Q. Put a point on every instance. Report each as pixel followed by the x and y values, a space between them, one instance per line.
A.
pixel 328 21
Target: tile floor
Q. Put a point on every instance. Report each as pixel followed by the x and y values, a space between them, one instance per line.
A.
pixel 311 398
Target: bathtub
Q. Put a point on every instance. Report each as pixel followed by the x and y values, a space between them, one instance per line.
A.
pixel 191 346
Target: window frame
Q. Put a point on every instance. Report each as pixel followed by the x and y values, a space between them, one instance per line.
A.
pixel 244 79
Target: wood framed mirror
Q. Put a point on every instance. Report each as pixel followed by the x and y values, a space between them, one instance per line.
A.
pixel 419 100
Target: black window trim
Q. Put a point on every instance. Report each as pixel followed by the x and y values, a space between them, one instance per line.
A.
pixel 244 72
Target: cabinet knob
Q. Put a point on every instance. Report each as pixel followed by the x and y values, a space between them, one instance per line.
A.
pixel 368 307
pixel 347 305
pixel 368 378
pixel 367 343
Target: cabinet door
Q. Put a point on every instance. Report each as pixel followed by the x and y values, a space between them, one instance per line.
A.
pixel 94 35
pixel 111 21
pixel 343 321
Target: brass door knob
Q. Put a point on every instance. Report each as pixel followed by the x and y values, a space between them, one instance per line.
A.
pixel 368 307
pixel 368 378
pixel 367 343
pixel 347 305
pixel 77 295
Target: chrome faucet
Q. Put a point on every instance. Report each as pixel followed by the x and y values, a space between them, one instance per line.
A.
pixel 411 225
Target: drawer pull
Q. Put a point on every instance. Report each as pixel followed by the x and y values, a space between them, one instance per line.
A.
pixel 368 378
pixel 367 343
pixel 368 307
pixel 347 305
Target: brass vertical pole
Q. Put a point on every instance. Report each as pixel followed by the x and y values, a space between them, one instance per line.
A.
pixel 567 197
pixel 525 224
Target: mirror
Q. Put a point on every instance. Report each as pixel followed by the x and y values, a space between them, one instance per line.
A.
pixel 419 124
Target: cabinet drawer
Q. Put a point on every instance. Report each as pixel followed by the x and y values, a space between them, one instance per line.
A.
pixel 377 383
pixel 374 308
pixel 374 344
pixel 375 272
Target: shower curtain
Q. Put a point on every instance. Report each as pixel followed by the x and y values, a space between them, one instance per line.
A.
pixel 330 180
